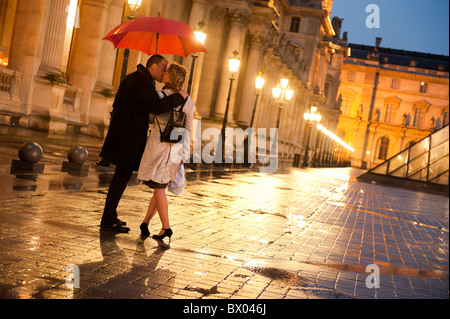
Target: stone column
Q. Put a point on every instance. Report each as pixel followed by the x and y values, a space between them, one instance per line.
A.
pixel 25 44
pixel 299 110
pixel 87 51
pixel 211 65
pixel 47 98
pixel 323 65
pixel 54 39
pixel 263 114
pixel 257 41
pixel 198 13
pixel 107 51
pixel 238 19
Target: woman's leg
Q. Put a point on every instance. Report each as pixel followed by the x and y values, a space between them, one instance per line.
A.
pixel 162 207
pixel 151 211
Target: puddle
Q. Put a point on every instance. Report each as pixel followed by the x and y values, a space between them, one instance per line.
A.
pixel 285 188
pixel 54 179
pixel 393 217
pixel 204 253
pixel 387 269
pixel 265 212
pixel 205 292
pixel 278 274
pixel 210 175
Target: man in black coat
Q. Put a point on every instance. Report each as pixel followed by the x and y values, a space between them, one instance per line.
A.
pixel 127 134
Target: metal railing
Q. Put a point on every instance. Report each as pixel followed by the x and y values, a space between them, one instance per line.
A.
pixel 425 161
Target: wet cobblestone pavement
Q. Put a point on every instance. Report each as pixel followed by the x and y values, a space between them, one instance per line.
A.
pixel 297 234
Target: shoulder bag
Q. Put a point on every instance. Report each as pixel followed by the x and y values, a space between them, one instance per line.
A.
pixel 176 123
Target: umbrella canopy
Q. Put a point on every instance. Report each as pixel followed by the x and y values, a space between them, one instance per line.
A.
pixel 155 35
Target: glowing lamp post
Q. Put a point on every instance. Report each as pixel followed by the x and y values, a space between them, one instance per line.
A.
pixel 311 118
pixel 200 34
pixel 233 66
pixel 259 84
pixel 282 95
pixel 134 5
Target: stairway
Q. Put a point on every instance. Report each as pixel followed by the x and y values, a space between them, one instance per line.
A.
pixel 422 166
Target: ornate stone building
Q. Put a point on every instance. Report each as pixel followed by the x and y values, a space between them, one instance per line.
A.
pixel 390 99
pixel 57 74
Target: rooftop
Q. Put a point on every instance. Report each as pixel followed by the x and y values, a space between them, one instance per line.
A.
pixel 401 57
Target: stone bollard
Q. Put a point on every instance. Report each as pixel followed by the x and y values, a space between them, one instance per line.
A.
pixel 30 154
pixel 77 156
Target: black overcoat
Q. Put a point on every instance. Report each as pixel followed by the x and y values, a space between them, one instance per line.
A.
pixel 127 134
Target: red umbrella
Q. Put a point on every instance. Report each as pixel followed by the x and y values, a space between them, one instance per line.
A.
pixel 155 35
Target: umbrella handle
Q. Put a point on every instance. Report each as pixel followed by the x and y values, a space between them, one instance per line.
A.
pixel 156 49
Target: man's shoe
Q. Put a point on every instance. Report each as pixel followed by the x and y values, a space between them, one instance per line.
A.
pixel 103 162
pixel 117 227
pixel 121 222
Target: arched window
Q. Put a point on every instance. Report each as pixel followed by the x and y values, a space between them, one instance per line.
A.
pixel 383 146
pixel 295 24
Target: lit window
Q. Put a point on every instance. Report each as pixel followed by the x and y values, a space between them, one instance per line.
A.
pixel 423 87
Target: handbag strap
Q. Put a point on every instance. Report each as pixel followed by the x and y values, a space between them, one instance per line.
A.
pixel 182 105
pixel 156 117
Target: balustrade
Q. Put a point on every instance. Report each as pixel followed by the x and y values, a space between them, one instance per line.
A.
pixel 9 88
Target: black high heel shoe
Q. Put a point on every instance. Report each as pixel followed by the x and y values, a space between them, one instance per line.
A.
pixel 167 233
pixel 144 230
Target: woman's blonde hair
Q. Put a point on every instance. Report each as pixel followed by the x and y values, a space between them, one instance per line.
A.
pixel 177 76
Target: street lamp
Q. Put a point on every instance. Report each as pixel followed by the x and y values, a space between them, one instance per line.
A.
pixel 134 5
pixel 282 95
pixel 316 158
pixel 200 34
pixel 259 84
pixel 233 63
pixel 233 66
pixel 310 118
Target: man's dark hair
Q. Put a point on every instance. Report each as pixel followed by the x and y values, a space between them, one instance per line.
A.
pixel 155 59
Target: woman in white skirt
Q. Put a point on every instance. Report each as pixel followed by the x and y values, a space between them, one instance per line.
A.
pixel 160 161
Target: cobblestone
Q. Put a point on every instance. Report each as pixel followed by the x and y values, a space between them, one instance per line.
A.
pixel 297 234
pixel 242 235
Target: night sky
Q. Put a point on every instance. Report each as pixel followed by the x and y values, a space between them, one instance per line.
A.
pixel 413 25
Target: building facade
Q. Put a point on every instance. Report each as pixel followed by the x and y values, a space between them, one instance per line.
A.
pixel 58 75
pixel 390 99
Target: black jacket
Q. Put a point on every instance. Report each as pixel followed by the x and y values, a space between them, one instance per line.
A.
pixel 127 134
